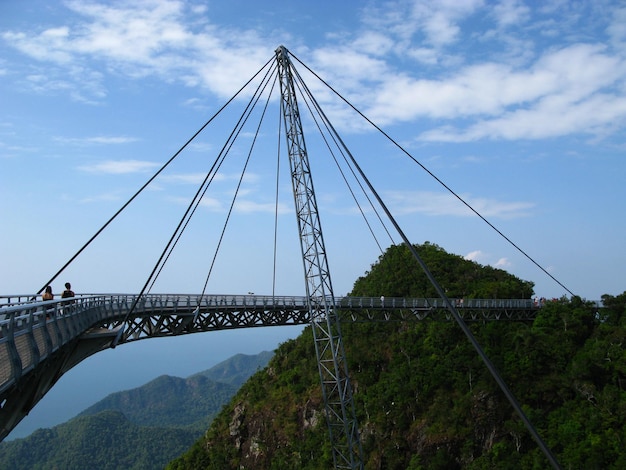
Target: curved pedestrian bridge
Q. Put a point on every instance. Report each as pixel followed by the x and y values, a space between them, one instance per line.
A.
pixel 41 340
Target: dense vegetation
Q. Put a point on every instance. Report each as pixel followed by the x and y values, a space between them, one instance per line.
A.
pixel 105 441
pixel 398 274
pixel 140 429
pixel 169 402
pixel 423 397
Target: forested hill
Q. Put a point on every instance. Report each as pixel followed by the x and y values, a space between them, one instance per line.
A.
pixel 423 398
pixel 397 274
pixel 142 428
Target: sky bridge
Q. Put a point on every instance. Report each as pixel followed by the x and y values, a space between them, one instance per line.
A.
pixel 41 340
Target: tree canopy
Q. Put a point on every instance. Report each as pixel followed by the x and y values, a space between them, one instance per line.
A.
pixel 423 398
pixel 398 274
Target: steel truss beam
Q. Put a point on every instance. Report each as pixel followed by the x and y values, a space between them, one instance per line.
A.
pixel 40 341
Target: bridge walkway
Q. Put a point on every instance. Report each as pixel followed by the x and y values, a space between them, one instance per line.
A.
pixel 41 340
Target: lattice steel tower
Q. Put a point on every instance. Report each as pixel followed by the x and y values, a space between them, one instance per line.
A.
pixel 331 359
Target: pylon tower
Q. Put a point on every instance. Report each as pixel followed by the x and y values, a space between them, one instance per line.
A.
pixel 331 358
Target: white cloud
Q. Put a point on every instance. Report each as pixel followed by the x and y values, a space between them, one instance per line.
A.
pixel 137 39
pixel 502 263
pixel 373 43
pixel 82 84
pixel 113 196
pixel 197 179
pixel 117 167
pixel 617 28
pixel 244 206
pixel 104 140
pixel 187 178
pixel 573 90
pixel 445 204
pixel 573 87
pixel 474 255
pixel 511 12
pixel 496 78
pixel 49 45
pixel 552 117
pixel 437 21
pixel 248 206
pixel 483 258
pixel 140 33
pixel 210 203
pixel 481 89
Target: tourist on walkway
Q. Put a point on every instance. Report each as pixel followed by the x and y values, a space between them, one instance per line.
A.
pixel 68 292
pixel 48 295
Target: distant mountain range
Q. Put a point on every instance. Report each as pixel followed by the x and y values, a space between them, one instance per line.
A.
pixel 142 428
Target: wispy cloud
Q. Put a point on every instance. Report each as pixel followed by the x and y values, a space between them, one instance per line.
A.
pixel 117 167
pixel 210 203
pixel 100 140
pixel 475 255
pixel 493 82
pixel 113 196
pixel 245 205
pixel 512 88
pixel 502 263
pixel 571 90
pixel 197 178
pixel 161 38
pixel 481 257
pixel 187 178
pixel 249 206
pixel 445 204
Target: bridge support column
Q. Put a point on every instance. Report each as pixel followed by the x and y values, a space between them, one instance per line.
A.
pixel 331 360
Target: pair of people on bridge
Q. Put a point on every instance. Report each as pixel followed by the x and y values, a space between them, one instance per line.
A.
pixel 68 292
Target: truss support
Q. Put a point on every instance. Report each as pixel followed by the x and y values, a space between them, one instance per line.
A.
pixel 331 359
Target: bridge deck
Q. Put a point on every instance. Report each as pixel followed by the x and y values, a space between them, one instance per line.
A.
pixel 40 341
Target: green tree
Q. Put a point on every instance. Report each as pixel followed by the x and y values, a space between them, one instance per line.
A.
pixel 423 397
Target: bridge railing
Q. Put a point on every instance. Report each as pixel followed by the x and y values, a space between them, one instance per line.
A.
pixel 428 303
pixel 20 314
pixel 31 330
pixel 18 308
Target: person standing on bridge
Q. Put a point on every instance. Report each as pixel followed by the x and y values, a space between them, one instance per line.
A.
pixel 68 292
pixel 48 295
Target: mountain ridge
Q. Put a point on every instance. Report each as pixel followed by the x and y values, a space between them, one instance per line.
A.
pixel 142 428
pixel 423 397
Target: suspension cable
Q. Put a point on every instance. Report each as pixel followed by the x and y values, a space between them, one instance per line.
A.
pixel 208 180
pixel 220 158
pixel 306 93
pixel 435 177
pixel 243 172
pixel 331 131
pixel 275 249
pixel 147 183
pixel 451 308
pixel 201 191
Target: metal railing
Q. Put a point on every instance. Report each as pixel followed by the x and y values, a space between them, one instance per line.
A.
pixel 31 330
pixel 46 338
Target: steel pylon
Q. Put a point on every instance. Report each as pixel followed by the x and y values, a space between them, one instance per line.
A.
pixel 331 358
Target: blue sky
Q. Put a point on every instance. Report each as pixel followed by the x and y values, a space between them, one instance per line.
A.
pixel 518 107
